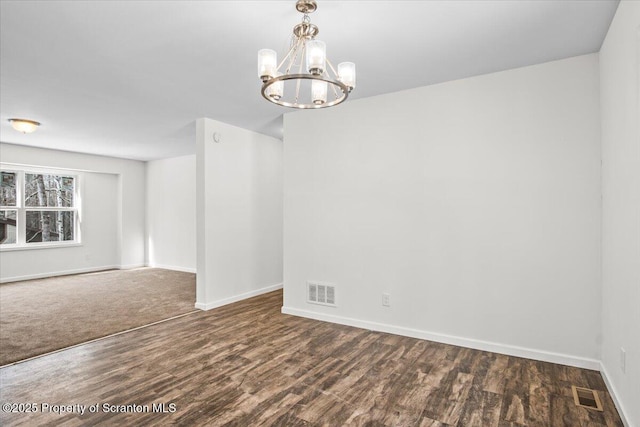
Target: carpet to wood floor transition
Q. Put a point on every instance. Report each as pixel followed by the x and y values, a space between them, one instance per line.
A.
pixel 39 316
pixel 246 364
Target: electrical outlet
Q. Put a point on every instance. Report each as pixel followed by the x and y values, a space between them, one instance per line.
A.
pixel 386 300
pixel 623 359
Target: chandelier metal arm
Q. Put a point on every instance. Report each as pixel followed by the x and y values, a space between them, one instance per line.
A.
pixel 296 51
pixel 286 57
pixel 335 75
pixel 300 72
pixel 292 55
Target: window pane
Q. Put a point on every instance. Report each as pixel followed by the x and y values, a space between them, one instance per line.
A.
pixel 49 226
pixel 8 227
pixel 7 188
pixel 44 190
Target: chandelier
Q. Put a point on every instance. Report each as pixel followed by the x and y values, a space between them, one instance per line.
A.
pixel 305 78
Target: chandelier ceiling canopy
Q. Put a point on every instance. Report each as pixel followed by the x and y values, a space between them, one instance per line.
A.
pixel 305 78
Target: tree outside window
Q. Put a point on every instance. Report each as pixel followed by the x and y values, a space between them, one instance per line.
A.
pixel 37 208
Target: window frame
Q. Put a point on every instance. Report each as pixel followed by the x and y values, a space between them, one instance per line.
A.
pixel 21 208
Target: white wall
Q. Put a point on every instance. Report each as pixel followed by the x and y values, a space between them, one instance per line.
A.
pixel 113 216
pixel 620 93
pixel 239 213
pixel 475 204
pixel 171 213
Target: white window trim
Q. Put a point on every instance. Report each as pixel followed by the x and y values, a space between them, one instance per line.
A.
pixel 21 243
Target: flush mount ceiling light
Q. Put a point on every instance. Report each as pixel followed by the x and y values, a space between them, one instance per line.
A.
pixel 305 78
pixel 24 125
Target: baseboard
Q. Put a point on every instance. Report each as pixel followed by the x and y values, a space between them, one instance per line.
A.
pixel 614 395
pixel 509 350
pixel 130 266
pixel 236 298
pixel 58 273
pixel 173 267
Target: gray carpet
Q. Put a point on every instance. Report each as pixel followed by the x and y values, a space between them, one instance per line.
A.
pixel 39 316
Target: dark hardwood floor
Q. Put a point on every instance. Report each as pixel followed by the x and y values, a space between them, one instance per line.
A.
pixel 247 365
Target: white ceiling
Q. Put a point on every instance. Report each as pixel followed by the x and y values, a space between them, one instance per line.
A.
pixel 129 78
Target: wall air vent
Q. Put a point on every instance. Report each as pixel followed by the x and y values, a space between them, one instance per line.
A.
pixel 586 398
pixel 321 293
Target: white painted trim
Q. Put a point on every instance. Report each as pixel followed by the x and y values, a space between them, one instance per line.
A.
pixel 130 266
pixel 35 246
pixel 173 267
pixel 58 273
pixel 510 350
pixel 236 298
pixel 614 395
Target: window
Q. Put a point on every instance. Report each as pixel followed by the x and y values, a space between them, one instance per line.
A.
pixel 38 208
pixel 8 198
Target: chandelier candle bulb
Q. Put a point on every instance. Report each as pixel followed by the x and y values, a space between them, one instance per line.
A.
pixel 319 92
pixel 316 56
pixel 276 90
pixel 347 74
pixel 267 63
